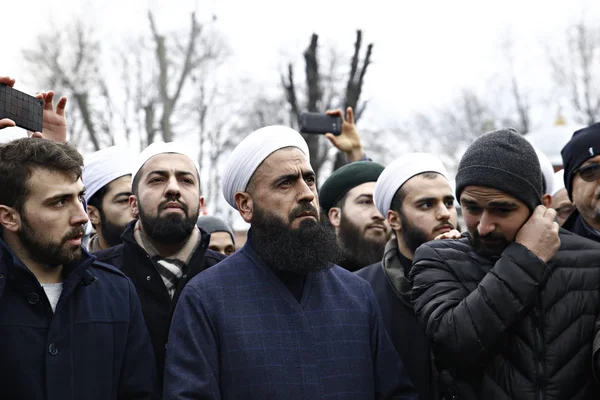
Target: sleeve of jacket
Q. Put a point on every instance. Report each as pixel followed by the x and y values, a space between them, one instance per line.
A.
pixel 391 379
pixel 463 325
pixel 596 350
pixel 192 366
pixel 139 379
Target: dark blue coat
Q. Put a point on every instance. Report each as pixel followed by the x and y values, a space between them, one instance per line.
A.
pixel 239 333
pixel 95 346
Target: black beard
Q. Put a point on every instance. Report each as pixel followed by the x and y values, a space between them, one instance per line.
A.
pixel 311 247
pixel 111 232
pixel 169 229
pixel 359 251
pixel 412 236
pixel 50 254
pixel 489 250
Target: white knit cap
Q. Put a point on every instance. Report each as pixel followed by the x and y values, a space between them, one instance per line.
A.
pixel 559 182
pixel 157 148
pixel 251 152
pixel 398 172
pixel 547 170
pixel 104 166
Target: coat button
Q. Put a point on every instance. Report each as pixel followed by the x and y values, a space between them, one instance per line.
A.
pixel 148 278
pixel 52 349
pixel 33 298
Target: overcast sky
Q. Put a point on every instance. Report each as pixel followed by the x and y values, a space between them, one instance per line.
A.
pixel 425 51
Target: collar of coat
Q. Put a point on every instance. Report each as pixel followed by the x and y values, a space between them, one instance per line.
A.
pixel 393 265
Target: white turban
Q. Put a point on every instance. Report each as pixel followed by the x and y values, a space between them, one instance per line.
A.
pixel 547 170
pixel 251 152
pixel 157 148
pixel 104 166
pixel 559 182
pixel 398 172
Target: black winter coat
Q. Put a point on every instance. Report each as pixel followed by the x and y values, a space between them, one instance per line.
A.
pixel 94 346
pixel 157 305
pixel 514 327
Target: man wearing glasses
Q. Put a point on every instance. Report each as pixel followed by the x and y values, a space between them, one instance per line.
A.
pixel 581 160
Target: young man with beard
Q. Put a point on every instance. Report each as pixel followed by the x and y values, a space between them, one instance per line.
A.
pixel 414 193
pixel 277 319
pixel 163 249
pixel 70 326
pixel 346 197
pixel 107 179
pixel 510 309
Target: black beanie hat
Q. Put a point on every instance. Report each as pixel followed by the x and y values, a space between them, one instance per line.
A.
pixel 342 180
pixel 503 160
pixel 584 144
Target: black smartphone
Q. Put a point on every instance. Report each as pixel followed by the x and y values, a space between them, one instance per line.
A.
pixel 27 111
pixel 320 124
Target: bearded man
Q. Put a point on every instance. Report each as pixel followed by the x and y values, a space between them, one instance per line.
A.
pixel 70 327
pixel 347 199
pixel 277 319
pixel 163 249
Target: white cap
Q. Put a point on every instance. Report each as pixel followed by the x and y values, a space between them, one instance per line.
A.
pixel 104 166
pixel 157 148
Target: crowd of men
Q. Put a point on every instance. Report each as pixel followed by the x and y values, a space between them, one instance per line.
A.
pixel 113 285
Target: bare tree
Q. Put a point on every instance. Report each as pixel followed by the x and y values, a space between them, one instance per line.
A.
pixel 315 100
pixel 575 71
pixel 520 98
pixel 68 60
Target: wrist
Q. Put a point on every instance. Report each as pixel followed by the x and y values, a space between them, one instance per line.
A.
pixel 355 155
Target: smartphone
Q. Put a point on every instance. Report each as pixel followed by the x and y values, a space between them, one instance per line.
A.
pixel 320 124
pixel 27 111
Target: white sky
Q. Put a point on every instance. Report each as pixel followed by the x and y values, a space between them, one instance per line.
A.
pixel 424 52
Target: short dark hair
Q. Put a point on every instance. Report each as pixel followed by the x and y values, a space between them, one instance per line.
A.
pixel 401 194
pixel 19 158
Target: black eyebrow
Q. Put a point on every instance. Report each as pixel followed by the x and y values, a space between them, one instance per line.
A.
pixel 425 200
pixel 449 198
pixel 164 173
pixel 294 177
pixel 122 194
pixel 64 196
pixel 467 202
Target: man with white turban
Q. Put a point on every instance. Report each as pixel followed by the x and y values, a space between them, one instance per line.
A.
pixel 277 319
pixel 163 249
pixel 107 180
pixel 414 194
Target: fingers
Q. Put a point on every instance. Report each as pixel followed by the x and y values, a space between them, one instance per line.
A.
pixel 48 100
pixel 336 113
pixel 550 214
pixel 350 115
pixel 35 134
pixel 6 123
pixel 7 80
pixel 453 234
pixel 332 138
pixel 60 106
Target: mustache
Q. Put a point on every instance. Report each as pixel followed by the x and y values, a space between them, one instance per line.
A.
pixel 444 225
pixel 303 208
pixel 74 234
pixel 163 204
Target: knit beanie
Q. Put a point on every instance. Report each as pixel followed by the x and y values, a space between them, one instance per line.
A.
pixel 212 224
pixel 502 160
pixel 584 144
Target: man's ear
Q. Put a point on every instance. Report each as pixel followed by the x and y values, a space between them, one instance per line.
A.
pixel 94 215
pixel 393 218
pixel 546 200
pixel 245 205
pixel 335 216
pixel 10 219
pixel 202 204
pixel 134 205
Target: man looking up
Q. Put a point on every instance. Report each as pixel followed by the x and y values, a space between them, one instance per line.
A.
pixel 163 249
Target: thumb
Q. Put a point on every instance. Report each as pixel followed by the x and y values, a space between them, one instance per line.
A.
pixel 332 139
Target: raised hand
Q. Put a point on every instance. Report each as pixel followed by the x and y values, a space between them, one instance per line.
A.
pixel 348 141
pixel 540 233
pixel 55 123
